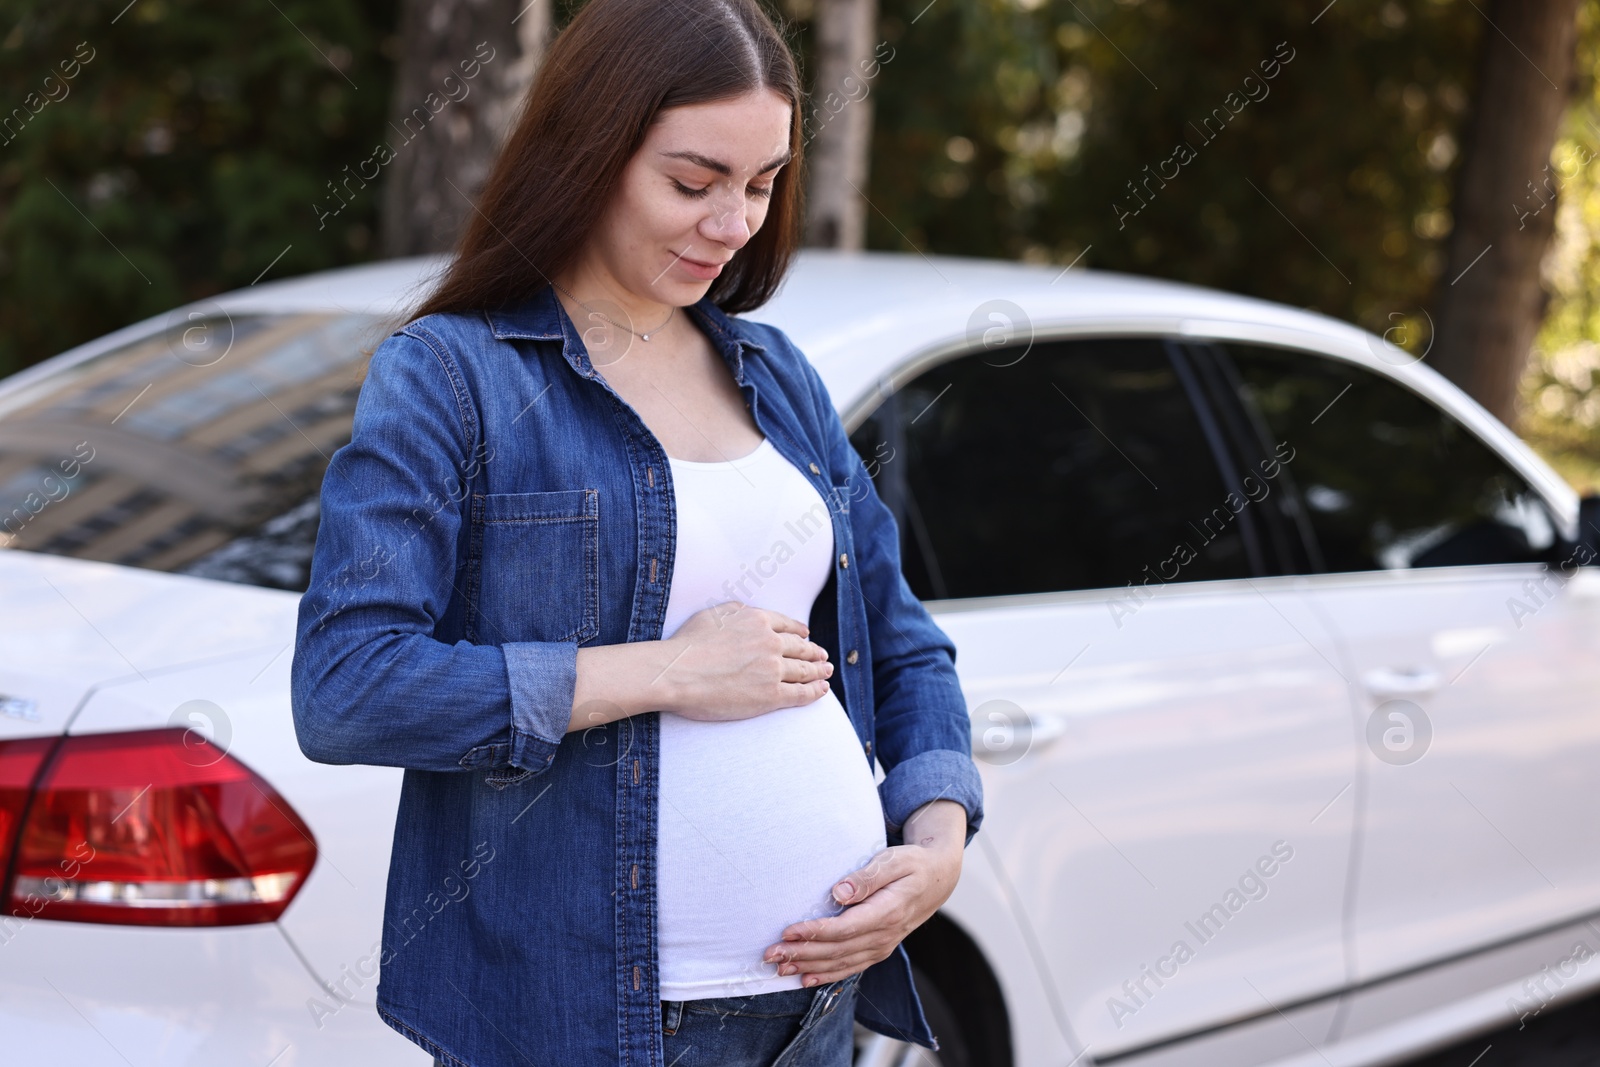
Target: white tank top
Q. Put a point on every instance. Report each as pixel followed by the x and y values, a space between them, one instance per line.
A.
pixel 758 817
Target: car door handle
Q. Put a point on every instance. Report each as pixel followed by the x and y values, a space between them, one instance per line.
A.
pixel 1386 682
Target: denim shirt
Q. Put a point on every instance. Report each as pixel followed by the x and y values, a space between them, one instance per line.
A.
pixel 498 506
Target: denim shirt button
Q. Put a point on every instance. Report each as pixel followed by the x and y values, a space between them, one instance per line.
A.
pixel 869 748
pixel 815 469
pixel 844 559
pixel 852 657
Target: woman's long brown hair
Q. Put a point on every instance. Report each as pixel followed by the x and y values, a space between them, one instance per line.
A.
pixel 600 86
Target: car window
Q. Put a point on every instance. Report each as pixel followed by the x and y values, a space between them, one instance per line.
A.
pixel 1389 480
pixel 198 451
pixel 1066 465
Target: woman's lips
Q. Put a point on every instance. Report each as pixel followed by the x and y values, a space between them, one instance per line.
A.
pixel 703 271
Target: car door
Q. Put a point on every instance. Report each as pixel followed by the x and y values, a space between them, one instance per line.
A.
pixel 1166 739
pixel 1477 657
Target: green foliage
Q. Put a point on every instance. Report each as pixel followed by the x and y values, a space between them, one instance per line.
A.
pixel 1058 105
pixel 182 157
pixel 1561 391
pixel 186 154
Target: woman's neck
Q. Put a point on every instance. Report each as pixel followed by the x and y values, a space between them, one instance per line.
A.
pixel 588 290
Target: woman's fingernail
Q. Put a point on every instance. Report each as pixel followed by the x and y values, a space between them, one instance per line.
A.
pixel 843 891
pixel 812 979
pixel 787 968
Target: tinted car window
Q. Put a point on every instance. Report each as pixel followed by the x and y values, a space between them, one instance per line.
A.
pixel 1067 465
pixel 200 451
pixel 1389 480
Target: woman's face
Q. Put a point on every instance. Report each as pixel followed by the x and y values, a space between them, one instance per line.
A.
pixel 692 195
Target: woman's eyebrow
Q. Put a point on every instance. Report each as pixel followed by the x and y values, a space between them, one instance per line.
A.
pixel 720 167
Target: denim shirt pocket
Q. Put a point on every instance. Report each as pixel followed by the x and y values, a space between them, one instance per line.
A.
pixel 534 570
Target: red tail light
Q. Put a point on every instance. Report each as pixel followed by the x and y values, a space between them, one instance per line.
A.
pixel 19 764
pixel 154 828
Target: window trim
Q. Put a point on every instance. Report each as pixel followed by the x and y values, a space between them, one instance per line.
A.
pixel 1221 382
pixel 1183 362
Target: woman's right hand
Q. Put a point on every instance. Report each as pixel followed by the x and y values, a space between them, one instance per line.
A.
pixel 734 661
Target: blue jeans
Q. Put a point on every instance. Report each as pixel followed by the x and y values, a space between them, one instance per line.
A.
pixel 789 1028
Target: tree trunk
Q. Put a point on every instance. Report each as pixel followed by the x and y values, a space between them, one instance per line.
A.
pixel 839 123
pixel 1490 299
pixel 464 71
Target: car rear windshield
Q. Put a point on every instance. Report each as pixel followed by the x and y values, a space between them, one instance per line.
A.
pixel 198 451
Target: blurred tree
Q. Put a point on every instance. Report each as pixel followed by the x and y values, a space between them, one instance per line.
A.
pixel 464 71
pixel 1320 141
pixel 1490 298
pixel 185 155
pixel 191 151
pixel 1015 128
pixel 838 127
pixel 1560 411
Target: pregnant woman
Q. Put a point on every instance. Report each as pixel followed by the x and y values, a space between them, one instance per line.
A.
pixel 600 569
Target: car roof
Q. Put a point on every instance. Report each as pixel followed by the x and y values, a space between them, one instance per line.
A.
pixel 881 306
pixel 860 315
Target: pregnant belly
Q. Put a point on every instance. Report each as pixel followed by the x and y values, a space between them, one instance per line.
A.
pixel 758 819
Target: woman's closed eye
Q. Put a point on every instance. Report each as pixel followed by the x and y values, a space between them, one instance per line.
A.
pixel 705 190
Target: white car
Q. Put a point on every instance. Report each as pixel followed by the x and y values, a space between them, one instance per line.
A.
pixel 1283 675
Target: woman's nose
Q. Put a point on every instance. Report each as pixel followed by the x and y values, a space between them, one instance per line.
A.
pixel 726 224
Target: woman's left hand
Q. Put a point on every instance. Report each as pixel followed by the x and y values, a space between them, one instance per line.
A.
pixel 891 896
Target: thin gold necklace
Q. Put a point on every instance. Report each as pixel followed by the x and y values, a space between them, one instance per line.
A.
pixel 641 336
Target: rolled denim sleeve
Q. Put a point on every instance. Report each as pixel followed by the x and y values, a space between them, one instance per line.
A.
pixel 370 683
pixel 935 774
pixel 922 727
pixel 543 677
